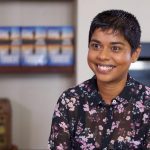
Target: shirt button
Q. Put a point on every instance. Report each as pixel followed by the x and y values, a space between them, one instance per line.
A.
pixel 114 102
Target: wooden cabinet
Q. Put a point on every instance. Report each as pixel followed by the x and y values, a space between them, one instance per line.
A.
pixel 36 69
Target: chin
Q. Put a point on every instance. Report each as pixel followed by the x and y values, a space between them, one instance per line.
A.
pixel 107 78
pixel 104 78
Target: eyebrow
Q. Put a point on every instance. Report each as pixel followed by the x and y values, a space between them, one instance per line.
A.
pixel 112 43
pixel 93 40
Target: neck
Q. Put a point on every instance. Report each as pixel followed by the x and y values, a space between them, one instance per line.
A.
pixel 109 91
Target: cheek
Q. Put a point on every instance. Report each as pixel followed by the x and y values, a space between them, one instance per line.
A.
pixel 90 59
pixel 89 56
pixel 125 58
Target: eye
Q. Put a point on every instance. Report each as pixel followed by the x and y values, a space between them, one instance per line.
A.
pixel 94 46
pixel 115 48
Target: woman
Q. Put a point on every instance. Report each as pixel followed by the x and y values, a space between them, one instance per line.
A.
pixel 111 110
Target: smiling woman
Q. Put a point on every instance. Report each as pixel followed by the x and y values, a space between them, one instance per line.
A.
pixel 111 110
pixel 109 52
pixel 110 57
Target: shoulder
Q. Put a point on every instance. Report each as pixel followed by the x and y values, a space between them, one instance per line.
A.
pixel 77 90
pixel 143 94
pixel 140 93
pixel 139 87
pixel 72 96
pixel 147 97
pixel 144 91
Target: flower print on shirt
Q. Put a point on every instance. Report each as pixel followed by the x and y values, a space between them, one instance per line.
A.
pixel 57 112
pixel 60 147
pixel 63 125
pixel 148 90
pixel 120 138
pixel 86 107
pixel 120 108
pixel 82 121
pixel 128 118
pixel 71 104
pixel 140 106
pixel 145 118
pixel 87 147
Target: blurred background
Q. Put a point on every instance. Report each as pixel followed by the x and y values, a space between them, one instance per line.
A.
pixel 43 50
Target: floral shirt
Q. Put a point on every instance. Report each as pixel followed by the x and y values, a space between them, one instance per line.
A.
pixel 83 121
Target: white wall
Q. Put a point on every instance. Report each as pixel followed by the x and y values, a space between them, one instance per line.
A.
pixel 33 96
pixel 36 12
pixel 87 9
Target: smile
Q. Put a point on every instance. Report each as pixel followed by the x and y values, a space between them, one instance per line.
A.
pixel 105 68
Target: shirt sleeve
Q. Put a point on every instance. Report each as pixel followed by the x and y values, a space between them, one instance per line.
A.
pixel 59 138
pixel 147 146
pixel 148 140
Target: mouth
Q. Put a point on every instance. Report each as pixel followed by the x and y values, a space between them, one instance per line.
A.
pixel 105 68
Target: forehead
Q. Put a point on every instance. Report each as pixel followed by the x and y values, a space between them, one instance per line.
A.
pixel 99 32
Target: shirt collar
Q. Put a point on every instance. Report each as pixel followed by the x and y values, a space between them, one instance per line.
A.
pixel 123 97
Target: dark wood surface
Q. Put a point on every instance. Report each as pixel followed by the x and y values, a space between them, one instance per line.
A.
pixel 36 69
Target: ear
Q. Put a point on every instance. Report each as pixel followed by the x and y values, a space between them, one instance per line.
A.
pixel 136 54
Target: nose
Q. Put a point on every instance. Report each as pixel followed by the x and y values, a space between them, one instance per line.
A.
pixel 104 54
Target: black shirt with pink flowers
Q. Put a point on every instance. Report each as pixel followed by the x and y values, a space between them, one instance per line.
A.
pixel 83 121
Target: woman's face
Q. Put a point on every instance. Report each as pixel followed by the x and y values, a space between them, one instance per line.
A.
pixel 109 56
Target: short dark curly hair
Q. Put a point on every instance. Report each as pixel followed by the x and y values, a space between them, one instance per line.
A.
pixel 118 20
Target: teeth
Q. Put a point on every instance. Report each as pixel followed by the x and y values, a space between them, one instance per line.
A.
pixel 105 67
